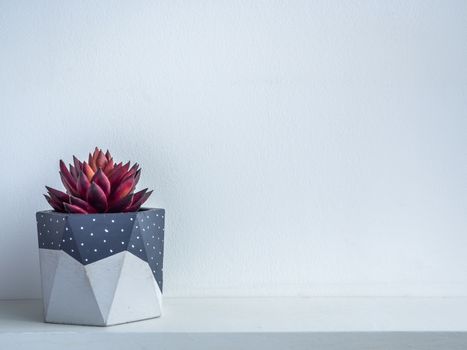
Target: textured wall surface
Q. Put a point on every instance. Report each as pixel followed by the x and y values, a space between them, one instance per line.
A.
pixel 299 147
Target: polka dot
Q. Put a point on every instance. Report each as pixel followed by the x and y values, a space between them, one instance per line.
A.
pixel 122 230
pixel 123 242
pixel 110 250
pixel 132 246
pixel 104 241
pixel 91 234
pixel 112 221
pixel 106 230
pixel 82 244
pixel 137 237
pixel 82 228
pixel 93 219
pixel 66 228
pixel 131 219
pixel 95 250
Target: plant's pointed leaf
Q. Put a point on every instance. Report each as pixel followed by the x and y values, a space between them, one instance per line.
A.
pixel 82 204
pixel 97 198
pixel 101 160
pixel 137 176
pixel 58 206
pixel 137 204
pixel 93 161
pixel 83 185
pixel 57 195
pixel 74 209
pixel 88 171
pixel 117 175
pixel 138 195
pixel 126 166
pixel 74 172
pixel 71 189
pixel 121 205
pixel 102 181
pixel 107 155
pixel 123 189
pixel 109 167
pixel 90 160
pixel 133 169
pixel 78 164
pixel 66 173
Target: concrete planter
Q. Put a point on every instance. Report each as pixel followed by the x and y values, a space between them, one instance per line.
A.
pixel 101 269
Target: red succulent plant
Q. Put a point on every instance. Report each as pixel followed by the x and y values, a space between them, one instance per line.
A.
pixel 98 186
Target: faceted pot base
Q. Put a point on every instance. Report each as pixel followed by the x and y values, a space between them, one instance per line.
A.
pixel 101 269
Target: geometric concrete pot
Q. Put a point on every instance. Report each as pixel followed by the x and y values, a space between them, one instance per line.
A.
pixel 101 269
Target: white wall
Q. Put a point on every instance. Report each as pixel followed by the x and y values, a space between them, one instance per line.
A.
pixel 299 147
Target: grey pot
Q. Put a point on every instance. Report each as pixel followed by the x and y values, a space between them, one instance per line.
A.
pixel 101 269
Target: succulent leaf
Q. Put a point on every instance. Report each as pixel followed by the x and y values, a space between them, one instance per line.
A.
pixel 137 204
pixel 83 185
pixel 70 208
pixel 97 197
pixel 102 180
pixel 88 171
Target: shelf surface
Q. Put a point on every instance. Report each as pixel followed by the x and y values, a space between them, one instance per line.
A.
pixel 256 323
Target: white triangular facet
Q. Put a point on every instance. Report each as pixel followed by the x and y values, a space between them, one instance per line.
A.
pixel 49 260
pixel 103 276
pixel 137 295
pixel 72 299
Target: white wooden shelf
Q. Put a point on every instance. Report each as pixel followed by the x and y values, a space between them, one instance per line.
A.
pixel 255 323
